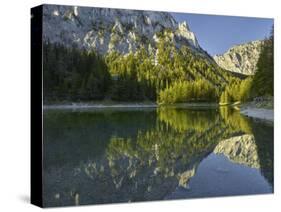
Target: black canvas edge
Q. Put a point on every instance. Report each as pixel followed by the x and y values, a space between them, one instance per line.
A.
pixel 36 190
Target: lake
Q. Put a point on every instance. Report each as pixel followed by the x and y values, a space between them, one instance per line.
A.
pixel 97 156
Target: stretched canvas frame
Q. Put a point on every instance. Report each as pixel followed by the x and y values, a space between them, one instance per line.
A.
pixel 104 129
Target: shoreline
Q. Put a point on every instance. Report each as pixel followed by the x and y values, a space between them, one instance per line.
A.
pixel 99 105
pixel 248 110
pixel 259 113
pixel 262 110
pixel 124 105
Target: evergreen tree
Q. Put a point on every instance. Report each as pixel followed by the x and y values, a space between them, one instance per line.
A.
pixel 264 77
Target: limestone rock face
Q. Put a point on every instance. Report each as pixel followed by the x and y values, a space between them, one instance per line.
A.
pixel 184 32
pixel 105 30
pixel 241 58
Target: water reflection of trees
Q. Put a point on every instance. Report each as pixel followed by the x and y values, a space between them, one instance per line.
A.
pixel 264 137
pixel 234 120
pixel 163 151
pixel 182 138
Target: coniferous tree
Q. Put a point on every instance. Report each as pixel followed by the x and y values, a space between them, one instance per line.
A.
pixel 263 79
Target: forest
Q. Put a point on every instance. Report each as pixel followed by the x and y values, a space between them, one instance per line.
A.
pixel 169 76
pixel 263 80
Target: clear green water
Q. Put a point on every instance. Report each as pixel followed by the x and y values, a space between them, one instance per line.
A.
pixel 125 155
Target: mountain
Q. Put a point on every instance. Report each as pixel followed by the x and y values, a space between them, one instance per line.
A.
pixel 241 58
pixel 105 30
pixel 126 55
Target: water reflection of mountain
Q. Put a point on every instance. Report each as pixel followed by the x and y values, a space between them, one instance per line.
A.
pixel 240 149
pixel 102 157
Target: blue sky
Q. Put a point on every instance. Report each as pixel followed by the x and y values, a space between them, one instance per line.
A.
pixel 216 34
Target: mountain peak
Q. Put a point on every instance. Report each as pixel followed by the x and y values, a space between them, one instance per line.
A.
pixel 184 31
pixel 183 26
pixel 241 58
pixel 105 30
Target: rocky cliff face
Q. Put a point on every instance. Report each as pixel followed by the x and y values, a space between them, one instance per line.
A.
pixel 105 30
pixel 241 58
